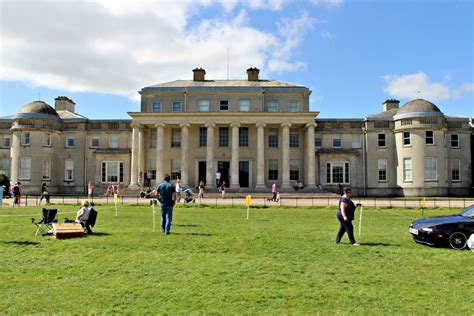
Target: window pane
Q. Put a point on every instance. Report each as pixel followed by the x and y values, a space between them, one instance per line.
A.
pixel 273 139
pixel 176 106
pixel 336 141
pixel 294 139
pixel 430 169
pixel 382 166
pixel 224 105
pixel 456 170
pixel 69 170
pixel 244 105
pixel 273 169
pixel 406 138
pixel 113 141
pixel 294 106
pixel 202 137
pixel 356 143
pixel 381 140
pixel 454 141
pixel 203 106
pixel 156 106
pixel 429 138
pixel 407 169
pixel 25 138
pixel 243 137
pixel 45 169
pixel 272 106
pixel 318 142
pixel 47 139
pixel 294 169
pixel 223 136
pixel 25 169
pixel 94 141
pixel 175 169
pixel 175 138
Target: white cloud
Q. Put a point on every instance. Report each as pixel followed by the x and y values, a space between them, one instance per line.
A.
pixel 119 46
pixel 333 3
pixel 407 86
pixel 326 35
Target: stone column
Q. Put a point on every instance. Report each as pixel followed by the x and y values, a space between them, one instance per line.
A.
pixel 285 156
pixel 160 151
pixel 134 162
pixel 234 163
pixel 184 153
pixel 310 156
pixel 260 155
pixel 141 152
pixel 15 157
pixel 210 156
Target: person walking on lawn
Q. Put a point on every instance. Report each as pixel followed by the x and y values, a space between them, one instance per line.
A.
pixel 166 194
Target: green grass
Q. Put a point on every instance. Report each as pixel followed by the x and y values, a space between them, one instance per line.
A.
pixel 280 261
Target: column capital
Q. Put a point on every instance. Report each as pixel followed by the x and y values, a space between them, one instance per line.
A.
pixel 211 125
pixel 260 124
pixel 185 124
pixel 135 125
pixel 311 125
pixel 159 125
pixel 234 124
pixel 286 124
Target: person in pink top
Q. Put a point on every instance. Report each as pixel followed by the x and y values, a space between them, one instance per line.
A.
pixel 274 191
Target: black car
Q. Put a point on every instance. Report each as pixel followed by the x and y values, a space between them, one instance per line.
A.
pixel 453 230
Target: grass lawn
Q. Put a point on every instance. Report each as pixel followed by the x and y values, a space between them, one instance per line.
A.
pixel 280 261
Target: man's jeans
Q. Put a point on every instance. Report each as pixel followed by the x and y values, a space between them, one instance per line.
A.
pixel 166 217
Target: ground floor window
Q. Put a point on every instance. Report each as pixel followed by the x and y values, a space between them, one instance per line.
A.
pixel 430 169
pixel 455 170
pixel 25 169
pixel 5 167
pixel 337 172
pixel 273 169
pixel 46 169
pixel 112 171
pixel 407 169
pixel 382 166
pixel 294 169
pixel 175 169
pixel 69 170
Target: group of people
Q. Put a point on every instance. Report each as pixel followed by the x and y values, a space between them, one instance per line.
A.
pixel 114 188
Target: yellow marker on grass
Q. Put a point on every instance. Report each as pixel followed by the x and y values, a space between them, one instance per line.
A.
pixel 248 200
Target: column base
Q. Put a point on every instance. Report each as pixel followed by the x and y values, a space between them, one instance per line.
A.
pixel 285 186
pixel 260 186
pixel 234 186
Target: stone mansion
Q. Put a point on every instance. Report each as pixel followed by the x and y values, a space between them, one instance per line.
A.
pixel 255 132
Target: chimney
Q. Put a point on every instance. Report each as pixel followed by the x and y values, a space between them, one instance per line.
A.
pixel 63 103
pixel 252 74
pixel 390 104
pixel 198 74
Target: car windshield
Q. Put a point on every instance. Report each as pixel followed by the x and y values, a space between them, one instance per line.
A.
pixel 468 211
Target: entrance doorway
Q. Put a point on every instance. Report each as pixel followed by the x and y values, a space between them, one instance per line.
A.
pixel 223 167
pixel 201 172
pixel 244 174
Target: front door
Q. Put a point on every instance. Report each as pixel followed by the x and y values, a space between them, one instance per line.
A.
pixel 201 172
pixel 244 174
pixel 223 167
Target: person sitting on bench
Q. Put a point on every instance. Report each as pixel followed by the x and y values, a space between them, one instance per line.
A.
pixel 82 216
pixel 298 185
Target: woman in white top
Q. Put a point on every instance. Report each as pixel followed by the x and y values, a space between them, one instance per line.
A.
pixel 83 215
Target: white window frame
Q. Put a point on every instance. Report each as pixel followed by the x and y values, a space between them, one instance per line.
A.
pixel 456 166
pixel 273 133
pixel 223 107
pixel 384 140
pixel 382 170
pixel 69 170
pixel 72 138
pixel 431 169
pixel 407 170
pixel 272 106
pixel 294 139
pixel 6 141
pixel 156 107
pixel 47 139
pixel 356 141
pixel 432 138
pixel 25 138
pixel 203 105
pixel 97 138
pixel 451 140
pixel 293 106
pixel 406 139
pixel 176 106
pixel 114 141
pixel 335 138
pixel 295 166
pixel 175 168
pixel 46 169
pixel 175 138
pixel 346 171
pixel 106 173
pixel 271 165
pixel 244 105
pixel 25 168
pixel 318 139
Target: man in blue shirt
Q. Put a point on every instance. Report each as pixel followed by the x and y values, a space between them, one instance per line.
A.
pixel 166 194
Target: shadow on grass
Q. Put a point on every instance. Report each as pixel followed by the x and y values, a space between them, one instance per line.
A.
pixel 186 225
pixel 97 234
pixel 22 243
pixel 370 244
pixel 193 234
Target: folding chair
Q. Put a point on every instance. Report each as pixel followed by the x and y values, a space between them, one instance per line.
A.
pixel 90 222
pixel 46 223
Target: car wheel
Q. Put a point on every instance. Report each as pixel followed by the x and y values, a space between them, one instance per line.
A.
pixel 458 240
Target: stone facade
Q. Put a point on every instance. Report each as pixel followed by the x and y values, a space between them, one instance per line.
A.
pixel 255 132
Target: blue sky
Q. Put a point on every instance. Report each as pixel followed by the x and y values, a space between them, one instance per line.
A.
pixel 352 54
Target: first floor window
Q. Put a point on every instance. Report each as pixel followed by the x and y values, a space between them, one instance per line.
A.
pixel 153 138
pixel 175 169
pixel 318 141
pixel 224 105
pixel 113 141
pixel 25 169
pixel 6 141
pixel 223 137
pixel 156 106
pixel 112 171
pixel 407 169
pixel 356 143
pixel 244 105
pixel 176 106
pixel 455 170
pixel 272 106
pixel 294 169
pixel 25 138
pixel 430 169
pixel 273 169
pixel 202 136
pixel 406 139
pixel 429 138
pixel 293 106
pixel 273 138
pixel 294 139
pixel 70 141
pixel 454 141
pixel 69 170
pixel 5 166
pixel 203 105
pixel 382 166
pixel 243 137
pixel 337 172
pixel 46 169
pixel 175 138
pixel 382 142
pixel 336 141
pixel 47 139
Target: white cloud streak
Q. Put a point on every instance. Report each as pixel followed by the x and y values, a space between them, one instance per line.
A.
pixel 406 86
pixel 119 46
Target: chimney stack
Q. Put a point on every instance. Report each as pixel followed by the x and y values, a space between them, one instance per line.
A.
pixel 252 74
pixel 198 74
pixel 390 104
pixel 63 103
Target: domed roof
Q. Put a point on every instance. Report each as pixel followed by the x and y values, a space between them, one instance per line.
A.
pixel 417 108
pixel 37 109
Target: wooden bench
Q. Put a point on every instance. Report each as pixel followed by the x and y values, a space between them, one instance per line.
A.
pixel 68 230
